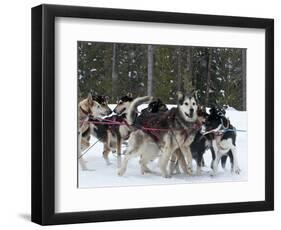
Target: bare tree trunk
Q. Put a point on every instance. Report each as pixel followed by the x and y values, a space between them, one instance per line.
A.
pixel 208 77
pixel 114 74
pixel 244 85
pixel 179 77
pixel 189 68
pixel 149 70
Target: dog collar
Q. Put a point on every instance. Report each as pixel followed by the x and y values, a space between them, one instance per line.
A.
pixel 84 111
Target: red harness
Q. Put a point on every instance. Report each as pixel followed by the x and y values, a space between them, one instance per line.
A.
pixel 155 132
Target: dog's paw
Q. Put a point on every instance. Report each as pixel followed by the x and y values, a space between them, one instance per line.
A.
pixel 108 163
pixel 198 172
pixel 213 174
pixel 189 172
pixel 166 175
pixel 237 171
pixel 119 163
pixel 145 171
pixel 121 172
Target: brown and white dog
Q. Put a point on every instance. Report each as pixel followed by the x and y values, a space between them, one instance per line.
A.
pixel 92 106
pixel 113 130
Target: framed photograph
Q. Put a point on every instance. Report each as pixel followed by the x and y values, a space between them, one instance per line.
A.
pixel 143 114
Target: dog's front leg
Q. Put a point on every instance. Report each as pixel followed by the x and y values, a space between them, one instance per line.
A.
pixel 173 164
pixel 106 147
pixel 143 163
pixel 119 144
pixel 214 151
pixel 215 164
pixel 199 166
pixel 188 156
pixel 106 151
pixel 129 154
pixel 164 159
pixel 216 155
pixel 181 161
pixel 235 161
pixel 81 159
pixel 166 153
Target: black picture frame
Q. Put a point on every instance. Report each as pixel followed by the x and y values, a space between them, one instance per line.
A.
pixel 43 114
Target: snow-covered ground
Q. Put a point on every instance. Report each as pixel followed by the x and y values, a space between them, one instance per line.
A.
pixel 102 175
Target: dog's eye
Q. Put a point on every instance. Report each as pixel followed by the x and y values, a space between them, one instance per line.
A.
pixel 186 103
pixel 193 103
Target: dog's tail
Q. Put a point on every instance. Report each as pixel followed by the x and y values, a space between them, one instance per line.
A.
pixel 133 107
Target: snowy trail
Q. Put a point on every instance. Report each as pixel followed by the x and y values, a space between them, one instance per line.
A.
pixel 103 175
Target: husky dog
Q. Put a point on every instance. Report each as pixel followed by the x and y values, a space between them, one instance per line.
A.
pixel 200 144
pixel 164 133
pixel 95 106
pixel 223 139
pixel 121 110
pixel 114 130
pixel 198 147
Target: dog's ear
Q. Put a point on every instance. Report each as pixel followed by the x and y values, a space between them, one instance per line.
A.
pixel 203 108
pixel 199 111
pixel 129 95
pixel 90 98
pixel 225 122
pixel 106 98
pixel 195 94
pixel 92 92
pixel 180 97
pixel 213 110
pixel 224 107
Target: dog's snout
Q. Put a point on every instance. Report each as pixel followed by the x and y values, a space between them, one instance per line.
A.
pixel 191 111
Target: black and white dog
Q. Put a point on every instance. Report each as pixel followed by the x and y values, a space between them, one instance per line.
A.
pixel 203 141
pixel 222 134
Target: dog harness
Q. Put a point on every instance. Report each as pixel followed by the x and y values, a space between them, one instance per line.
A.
pixel 156 127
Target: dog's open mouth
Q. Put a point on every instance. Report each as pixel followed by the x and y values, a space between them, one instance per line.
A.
pixel 189 115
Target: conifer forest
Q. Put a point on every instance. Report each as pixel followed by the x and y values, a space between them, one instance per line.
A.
pixel 216 74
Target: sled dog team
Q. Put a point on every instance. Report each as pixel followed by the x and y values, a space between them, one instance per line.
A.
pixel 175 136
